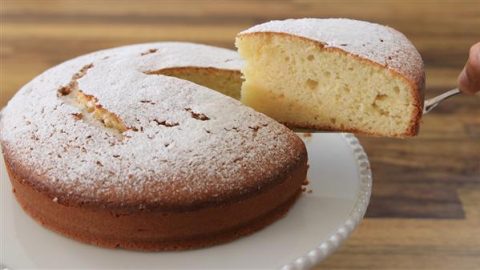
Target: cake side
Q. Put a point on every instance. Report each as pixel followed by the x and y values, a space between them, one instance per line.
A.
pixel 326 87
pixel 157 229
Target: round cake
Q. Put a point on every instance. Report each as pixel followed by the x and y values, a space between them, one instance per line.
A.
pixel 333 74
pixel 107 150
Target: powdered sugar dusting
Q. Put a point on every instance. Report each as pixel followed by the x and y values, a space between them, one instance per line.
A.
pixel 378 43
pixel 190 144
pixel 182 54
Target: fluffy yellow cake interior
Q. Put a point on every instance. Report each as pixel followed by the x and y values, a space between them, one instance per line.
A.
pixel 227 82
pixel 298 83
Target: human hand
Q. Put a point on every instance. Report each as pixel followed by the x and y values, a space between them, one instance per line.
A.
pixel 469 78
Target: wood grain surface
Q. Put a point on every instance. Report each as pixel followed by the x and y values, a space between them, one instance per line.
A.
pixel 425 207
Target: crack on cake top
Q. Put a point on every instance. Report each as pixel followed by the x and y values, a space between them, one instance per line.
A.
pixel 149 52
pixel 197 115
pixel 89 104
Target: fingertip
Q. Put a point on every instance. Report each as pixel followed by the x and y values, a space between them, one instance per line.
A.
pixel 465 84
pixel 469 78
pixel 475 54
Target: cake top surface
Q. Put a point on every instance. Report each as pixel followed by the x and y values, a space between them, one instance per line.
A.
pixel 380 44
pixel 184 144
pixel 179 54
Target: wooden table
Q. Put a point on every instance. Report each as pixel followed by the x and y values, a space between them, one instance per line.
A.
pixel 425 207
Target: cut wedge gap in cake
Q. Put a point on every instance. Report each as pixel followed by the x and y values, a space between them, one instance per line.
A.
pixel 227 82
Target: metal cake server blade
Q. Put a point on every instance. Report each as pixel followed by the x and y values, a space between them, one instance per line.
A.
pixel 433 102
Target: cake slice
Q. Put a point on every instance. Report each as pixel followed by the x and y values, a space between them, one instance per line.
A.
pixel 333 74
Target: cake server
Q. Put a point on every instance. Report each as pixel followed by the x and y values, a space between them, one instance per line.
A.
pixel 433 102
